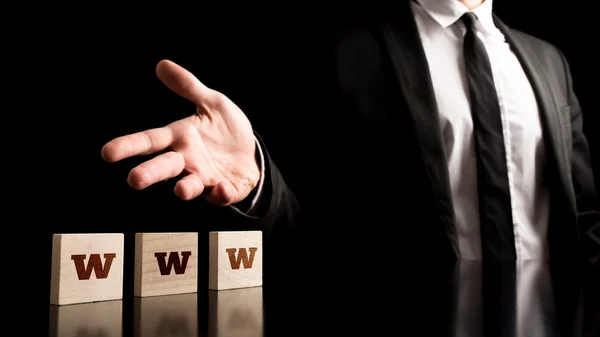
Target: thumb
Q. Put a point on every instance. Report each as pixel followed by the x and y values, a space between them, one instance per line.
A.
pixel 183 82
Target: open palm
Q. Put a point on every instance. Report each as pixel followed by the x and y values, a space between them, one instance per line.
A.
pixel 215 147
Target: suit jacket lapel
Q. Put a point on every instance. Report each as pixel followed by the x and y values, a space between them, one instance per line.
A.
pixel 551 117
pixel 404 46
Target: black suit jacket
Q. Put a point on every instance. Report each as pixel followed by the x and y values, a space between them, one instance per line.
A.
pixel 376 179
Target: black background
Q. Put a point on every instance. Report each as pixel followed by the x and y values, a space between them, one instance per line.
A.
pixel 86 75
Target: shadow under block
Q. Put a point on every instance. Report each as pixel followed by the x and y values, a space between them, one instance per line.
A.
pixel 165 264
pixel 235 260
pixel 166 316
pixel 236 312
pixel 86 268
pixel 88 319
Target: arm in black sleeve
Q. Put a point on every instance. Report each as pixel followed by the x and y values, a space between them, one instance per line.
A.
pixel 273 209
pixel 588 213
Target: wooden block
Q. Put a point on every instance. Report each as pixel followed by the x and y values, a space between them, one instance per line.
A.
pixel 235 260
pixel 236 312
pixel 88 319
pixel 86 268
pixel 172 315
pixel 165 264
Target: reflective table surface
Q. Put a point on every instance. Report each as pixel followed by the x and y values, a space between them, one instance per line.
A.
pixel 525 299
pixel 229 313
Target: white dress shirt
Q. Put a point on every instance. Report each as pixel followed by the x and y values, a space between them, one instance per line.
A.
pixel 442 33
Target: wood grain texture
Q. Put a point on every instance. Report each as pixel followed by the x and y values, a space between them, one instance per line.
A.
pixel 165 264
pixel 172 315
pixel 103 319
pixel 236 312
pixel 86 268
pixel 235 260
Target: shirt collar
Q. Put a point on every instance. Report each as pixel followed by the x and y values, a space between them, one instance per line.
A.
pixel 447 12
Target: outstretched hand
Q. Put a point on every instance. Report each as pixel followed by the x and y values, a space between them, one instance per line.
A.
pixel 214 148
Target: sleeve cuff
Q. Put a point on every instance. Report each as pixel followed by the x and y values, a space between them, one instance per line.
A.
pixel 261 180
pixel 254 202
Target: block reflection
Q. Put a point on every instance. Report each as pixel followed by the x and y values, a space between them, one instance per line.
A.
pixel 236 312
pixel 169 315
pixel 101 319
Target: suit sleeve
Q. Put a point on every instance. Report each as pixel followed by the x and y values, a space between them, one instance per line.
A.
pixel 588 213
pixel 275 211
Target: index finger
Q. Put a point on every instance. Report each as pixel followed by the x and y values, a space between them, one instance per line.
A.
pixel 183 82
pixel 139 143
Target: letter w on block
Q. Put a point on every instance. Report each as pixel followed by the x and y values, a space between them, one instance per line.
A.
pixel 86 268
pixel 242 257
pixel 174 262
pixel 165 264
pixel 94 263
pixel 233 268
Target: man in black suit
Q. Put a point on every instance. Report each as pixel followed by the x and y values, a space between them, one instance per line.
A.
pixel 437 133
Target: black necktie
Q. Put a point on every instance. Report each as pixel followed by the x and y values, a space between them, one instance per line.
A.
pixel 497 238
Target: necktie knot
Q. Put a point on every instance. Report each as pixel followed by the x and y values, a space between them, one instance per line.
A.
pixel 469 19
